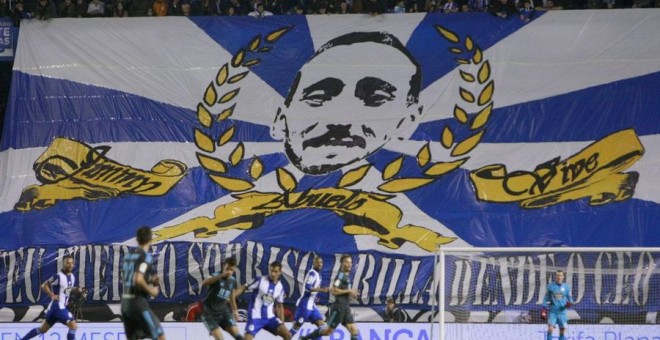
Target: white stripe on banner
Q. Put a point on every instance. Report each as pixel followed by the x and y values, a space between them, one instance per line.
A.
pixel 173 62
pixel 516 156
pixel 562 52
pixel 401 26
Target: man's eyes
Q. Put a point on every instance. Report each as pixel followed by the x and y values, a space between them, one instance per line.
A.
pixel 374 91
pixel 318 93
pixel 378 98
pixel 316 98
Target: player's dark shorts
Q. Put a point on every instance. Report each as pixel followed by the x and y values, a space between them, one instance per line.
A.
pixel 214 319
pixel 139 321
pixel 340 314
pixel 56 314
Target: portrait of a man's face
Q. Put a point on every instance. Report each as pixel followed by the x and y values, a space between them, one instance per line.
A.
pixel 352 97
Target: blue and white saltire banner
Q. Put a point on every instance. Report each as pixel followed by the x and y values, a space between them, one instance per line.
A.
pixel 280 138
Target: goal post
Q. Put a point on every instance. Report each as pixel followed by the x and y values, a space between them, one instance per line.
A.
pixel 498 292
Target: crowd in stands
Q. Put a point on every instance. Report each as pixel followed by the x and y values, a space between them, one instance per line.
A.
pixel 523 9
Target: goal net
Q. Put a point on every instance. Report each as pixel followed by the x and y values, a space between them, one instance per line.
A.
pixel 498 293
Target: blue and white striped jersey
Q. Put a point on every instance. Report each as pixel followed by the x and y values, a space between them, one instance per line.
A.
pixel 307 297
pixel 61 284
pixel 264 295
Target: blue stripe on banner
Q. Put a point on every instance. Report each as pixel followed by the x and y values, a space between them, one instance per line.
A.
pixel 507 225
pixel 288 53
pixel 298 229
pixel 611 107
pixel 100 115
pixel 128 213
pixel 496 225
pixel 431 49
pixel 296 47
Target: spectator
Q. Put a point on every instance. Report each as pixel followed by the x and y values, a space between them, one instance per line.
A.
pixel 96 8
pixel 642 3
pixel 550 6
pixel 322 9
pixel 186 8
pixel 160 8
pixel 45 10
pixel 344 8
pixel 503 8
pixel 175 8
pixel 465 8
pixel 527 12
pixel 276 7
pixel 4 9
pixel 374 7
pixel 400 7
pixel 260 12
pixel 332 6
pixel 240 7
pixel 477 5
pixel 450 7
pixel 20 12
pixel 392 313
pixel 412 6
pixel 67 9
pixel 208 7
pixel 120 11
pixel 357 6
pixel 81 8
pixel 139 8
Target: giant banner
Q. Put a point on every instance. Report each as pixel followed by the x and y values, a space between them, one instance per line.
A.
pixel 290 136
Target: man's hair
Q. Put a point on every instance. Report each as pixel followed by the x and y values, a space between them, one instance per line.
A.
pixel 390 300
pixel 560 271
pixel 67 256
pixel 345 256
pixel 276 264
pixel 375 37
pixel 143 235
pixel 231 261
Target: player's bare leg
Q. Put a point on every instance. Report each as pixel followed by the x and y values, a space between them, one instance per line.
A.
pixel 217 334
pixel 352 328
pixel 73 326
pixel 233 331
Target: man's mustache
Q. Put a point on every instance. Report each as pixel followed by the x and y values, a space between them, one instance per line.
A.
pixel 337 135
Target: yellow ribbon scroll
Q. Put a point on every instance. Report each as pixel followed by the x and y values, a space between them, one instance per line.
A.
pixel 594 172
pixel 70 169
pixel 364 213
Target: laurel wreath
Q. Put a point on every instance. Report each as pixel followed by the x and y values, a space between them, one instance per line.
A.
pixel 467 52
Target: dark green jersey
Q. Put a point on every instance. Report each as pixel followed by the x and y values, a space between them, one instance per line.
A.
pixel 220 293
pixel 343 281
pixel 137 260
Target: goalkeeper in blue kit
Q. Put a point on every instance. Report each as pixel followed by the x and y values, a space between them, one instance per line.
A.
pixel 557 298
